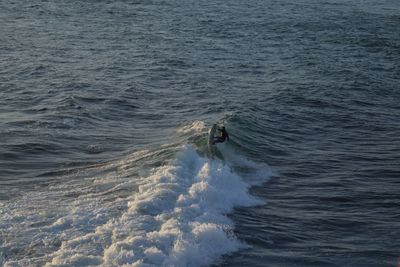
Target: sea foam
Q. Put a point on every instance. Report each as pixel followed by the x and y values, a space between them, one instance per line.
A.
pixel 178 217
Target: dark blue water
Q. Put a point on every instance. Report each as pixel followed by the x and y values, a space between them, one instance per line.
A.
pixel 104 113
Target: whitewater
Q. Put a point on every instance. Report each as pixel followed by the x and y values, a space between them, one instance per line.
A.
pixel 177 214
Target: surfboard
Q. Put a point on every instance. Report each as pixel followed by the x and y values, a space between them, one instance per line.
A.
pixel 211 134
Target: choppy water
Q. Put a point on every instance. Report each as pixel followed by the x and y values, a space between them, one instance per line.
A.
pixel 104 111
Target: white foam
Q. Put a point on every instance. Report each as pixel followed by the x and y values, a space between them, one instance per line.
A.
pixel 178 217
pixel 174 215
pixel 253 172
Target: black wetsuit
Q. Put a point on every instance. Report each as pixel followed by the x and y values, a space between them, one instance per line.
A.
pixel 224 136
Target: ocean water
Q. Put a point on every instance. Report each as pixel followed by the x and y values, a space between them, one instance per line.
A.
pixel 105 108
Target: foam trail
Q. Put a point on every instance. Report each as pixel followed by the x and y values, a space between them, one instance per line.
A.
pixel 177 218
pixel 254 173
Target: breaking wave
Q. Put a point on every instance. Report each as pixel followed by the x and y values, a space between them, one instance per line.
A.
pixel 178 217
pixel 163 207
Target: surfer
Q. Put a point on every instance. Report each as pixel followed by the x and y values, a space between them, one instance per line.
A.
pixel 223 136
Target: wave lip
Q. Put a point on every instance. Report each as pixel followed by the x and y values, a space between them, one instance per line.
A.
pixel 177 218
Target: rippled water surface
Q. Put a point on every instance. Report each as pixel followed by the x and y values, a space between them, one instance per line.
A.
pixel 104 113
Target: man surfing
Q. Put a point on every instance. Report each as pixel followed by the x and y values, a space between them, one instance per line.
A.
pixel 222 137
